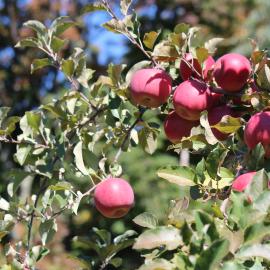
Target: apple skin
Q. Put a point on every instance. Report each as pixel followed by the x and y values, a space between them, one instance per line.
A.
pixel 150 87
pixel 207 66
pixel 214 117
pixel 257 131
pixel 242 181
pixel 192 97
pixel 114 197
pixel 186 71
pixel 176 127
pixel 231 72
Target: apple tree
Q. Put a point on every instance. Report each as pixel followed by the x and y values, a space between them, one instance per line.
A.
pixel 217 109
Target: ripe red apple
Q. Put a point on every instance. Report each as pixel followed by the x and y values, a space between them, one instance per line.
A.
pixel 242 181
pixel 176 127
pixel 192 97
pixel 231 71
pixel 214 117
pixel 150 87
pixel 257 131
pixel 192 69
pixel 207 66
pixel 114 197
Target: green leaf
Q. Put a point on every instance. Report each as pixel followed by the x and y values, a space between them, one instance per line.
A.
pixel 10 124
pixel 161 236
pixel 22 153
pixel 181 28
pixel 148 140
pixel 125 4
pixel 37 26
pixel 47 230
pixel 157 264
pixel 180 175
pixel 85 77
pixel 262 202
pixel 211 257
pixel 147 220
pixel 57 44
pixel 233 266
pixel 67 67
pixel 34 120
pixel 116 262
pixel 40 63
pixel 228 124
pixel 256 233
pixel 60 25
pixel 78 153
pixel 3 114
pixel 256 250
pixel 201 54
pixel 92 7
pixel 211 45
pixel 150 38
pixel 4 204
pixel 28 42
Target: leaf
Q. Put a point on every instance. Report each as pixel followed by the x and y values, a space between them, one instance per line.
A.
pixel 123 237
pixel 92 7
pixel 147 220
pixel 256 233
pixel 180 175
pixel 40 63
pixel 211 45
pixel 78 153
pixel 28 42
pixel 201 54
pixel 228 124
pixel 60 25
pixel 116 262
pixel 22 153
pixel 125 4
pixel 47 230
pixel 85 77
pixel 157 264
pixel 181 28
pixel 3 114
pixel 57 44
pixel 150 38
pixel 4 204
pixel 34 120
pixel 211 257
pixel 162 236
pixel 257 250
pixel 67 67
pixel 233 266
pixel 115 26
pixel 148 140
pixel 37 26
pixel 165 50
pixel 211 139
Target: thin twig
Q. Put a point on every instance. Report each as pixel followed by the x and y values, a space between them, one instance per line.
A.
pixel 12 141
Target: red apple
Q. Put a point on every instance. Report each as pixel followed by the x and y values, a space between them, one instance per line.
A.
pixel 192 69
pixel 176 127
pixel 214 117
pixel 150 87
pixel 242 181
pixel 192 97
pixel 258 131
pixel 114 197
pixel 231 71
pixel 207 66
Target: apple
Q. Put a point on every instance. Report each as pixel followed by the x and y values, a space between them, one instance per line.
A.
pixel 214 117
pixel 192 97
pixel 208 65
pixel 176 127
pixel 257 131
pixel 194 69
pixel 150 87
pixel 113 197
pixel 231 72
pixel 242 181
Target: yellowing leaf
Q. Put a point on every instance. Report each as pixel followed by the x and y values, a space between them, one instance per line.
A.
pixel 150 38
pixel 228 124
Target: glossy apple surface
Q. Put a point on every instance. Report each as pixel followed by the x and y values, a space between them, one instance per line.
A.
pixel 150 87
pixel 114 197
pixel 231 72
pixel 176 127
pixel 192 97
pixel 257 131
pixel 242 181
